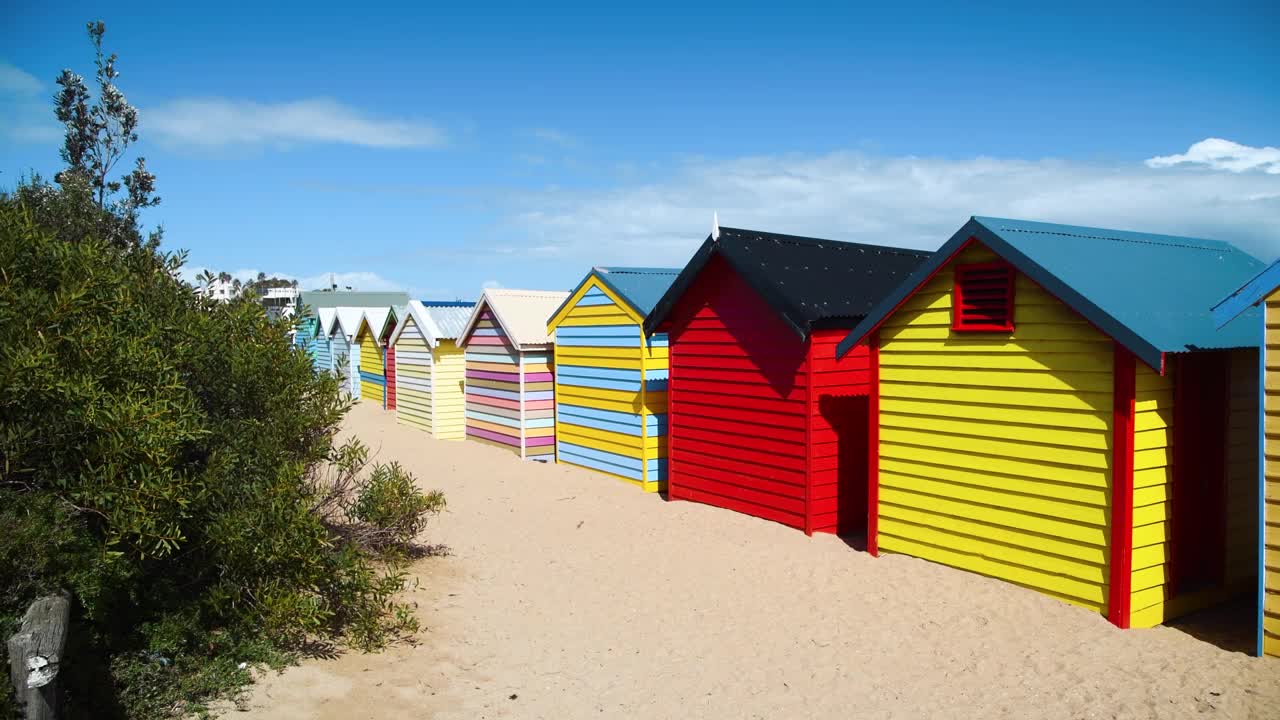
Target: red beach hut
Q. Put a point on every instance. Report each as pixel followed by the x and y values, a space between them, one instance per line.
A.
pixel 763 419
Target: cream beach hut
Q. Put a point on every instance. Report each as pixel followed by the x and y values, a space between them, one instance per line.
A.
pixel 430 367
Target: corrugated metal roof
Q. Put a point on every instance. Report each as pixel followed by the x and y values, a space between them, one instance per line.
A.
pixel 639 287
pixel 316 299
pixel 450 317
pixel 642 287
pixel 1248 296
pixel 808 281
pixel 1152 293
pixel 522 313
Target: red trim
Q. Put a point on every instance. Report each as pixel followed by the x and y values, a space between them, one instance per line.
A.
pixel 809 401
pixel 1124 392
pixel 671 408
pixel 873 444
pixel 963 277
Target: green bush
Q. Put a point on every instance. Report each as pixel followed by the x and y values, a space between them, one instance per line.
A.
pixel 171 461
pixel 391 503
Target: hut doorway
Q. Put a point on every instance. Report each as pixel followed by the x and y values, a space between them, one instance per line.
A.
pixel 1200 417
pixel 848 416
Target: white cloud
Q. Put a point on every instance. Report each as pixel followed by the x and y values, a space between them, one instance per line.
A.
pixel 1220 154
pixel 490 284
pixel 28 114
pixel 908 201
pixel 18 81
pixel 211 122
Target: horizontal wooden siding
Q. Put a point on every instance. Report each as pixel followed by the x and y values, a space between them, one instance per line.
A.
pixel 448 391
pixel 738 401
pixel 601 421
pixel 413 378
pixel 995 448
pixel 1271 477
pixel 493 397
pixel 372 379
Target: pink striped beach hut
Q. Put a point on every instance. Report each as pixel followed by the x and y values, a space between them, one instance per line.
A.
pixel 510 389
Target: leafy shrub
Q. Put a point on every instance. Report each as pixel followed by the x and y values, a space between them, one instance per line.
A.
pixel 160 457
pixel 390 503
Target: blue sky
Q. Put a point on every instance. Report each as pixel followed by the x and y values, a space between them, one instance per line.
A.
pixel 441 149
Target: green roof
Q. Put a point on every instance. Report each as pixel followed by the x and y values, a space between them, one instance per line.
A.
pixel 316 299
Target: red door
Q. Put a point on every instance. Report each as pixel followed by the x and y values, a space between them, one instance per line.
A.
pixel 1200 409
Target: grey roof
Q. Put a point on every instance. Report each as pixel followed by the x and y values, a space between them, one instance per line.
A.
pixel 436 320
pixel 449 317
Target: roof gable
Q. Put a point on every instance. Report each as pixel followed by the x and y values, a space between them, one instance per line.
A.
pixel 389 323
pixel 435 320
pixel 521 313
pixel 327 316
pixel 373 319
pixel 1151 293
pixel 347 321
pixel 807 281
pixel 635 288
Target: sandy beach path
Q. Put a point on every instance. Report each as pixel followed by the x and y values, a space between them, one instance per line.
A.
pixel 568 595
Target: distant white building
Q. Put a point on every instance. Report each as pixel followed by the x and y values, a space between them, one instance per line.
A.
pixel 219 290
pixel 281 302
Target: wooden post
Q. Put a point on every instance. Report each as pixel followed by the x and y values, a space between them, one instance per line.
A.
pixel 35 656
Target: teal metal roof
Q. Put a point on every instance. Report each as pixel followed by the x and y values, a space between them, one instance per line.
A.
pixel 1151 293
pixel 639 287
pixel 1248 296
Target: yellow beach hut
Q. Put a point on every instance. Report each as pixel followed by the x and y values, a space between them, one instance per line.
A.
pixel 610 379
pixel 367 343
pixel 1241 308
pixel 510 399
pixel 1052 405
pixel 430 368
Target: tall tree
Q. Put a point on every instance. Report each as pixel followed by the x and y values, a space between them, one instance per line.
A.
pixel 99 132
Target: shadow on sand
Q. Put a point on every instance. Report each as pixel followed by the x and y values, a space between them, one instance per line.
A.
pixel 1231 626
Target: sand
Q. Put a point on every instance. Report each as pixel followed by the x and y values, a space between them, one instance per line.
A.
pixel 568 594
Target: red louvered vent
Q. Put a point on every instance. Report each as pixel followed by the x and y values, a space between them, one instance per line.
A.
pixel 983 298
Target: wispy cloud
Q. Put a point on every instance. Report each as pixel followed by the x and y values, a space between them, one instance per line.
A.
pixel 29 114
pixel 555 137
pixel 215 122
pixel 18 81
pixel 909 201
pixel 1220 154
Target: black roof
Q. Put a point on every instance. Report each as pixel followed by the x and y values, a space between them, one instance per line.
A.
pixel 809 282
